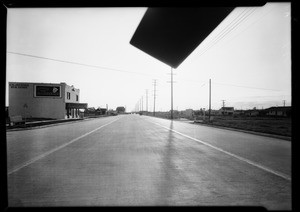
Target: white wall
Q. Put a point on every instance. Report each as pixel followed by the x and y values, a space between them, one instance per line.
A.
pixel 38 107
pixel 73 91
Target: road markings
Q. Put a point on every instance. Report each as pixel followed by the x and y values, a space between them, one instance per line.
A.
pixel 282 175
pixel 56 149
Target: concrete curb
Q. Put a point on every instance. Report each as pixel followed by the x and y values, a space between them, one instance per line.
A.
pixel 52 123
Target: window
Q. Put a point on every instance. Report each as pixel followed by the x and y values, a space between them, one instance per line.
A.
pixel 76 98
pixel 68 95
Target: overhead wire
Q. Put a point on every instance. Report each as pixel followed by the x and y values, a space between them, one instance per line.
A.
pixel 224 29
pixel 76 63
pixel 244 86
pixel 233 24
pixel 119 70
pixel 92 66
pixel 250 25
pixel 227 31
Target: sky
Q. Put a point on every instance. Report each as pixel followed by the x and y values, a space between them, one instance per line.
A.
pixel 247 57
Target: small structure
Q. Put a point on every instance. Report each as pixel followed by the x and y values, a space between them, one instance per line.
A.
pixel 279 111
pixel 239 112
pixel 120 109
pixel 102 111
pixel 188 113
pixel 226 111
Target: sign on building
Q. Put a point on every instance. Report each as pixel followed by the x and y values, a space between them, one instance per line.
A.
pixel 47 91
pixel 19 85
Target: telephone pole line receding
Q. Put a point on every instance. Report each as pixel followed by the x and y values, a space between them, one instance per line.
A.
pixel 171 93
pixel 223 103
pixel 154 97
pixel 146 100
pixel 142 103
pixel 209 100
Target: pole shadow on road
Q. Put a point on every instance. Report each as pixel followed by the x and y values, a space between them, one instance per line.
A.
pixel 168 187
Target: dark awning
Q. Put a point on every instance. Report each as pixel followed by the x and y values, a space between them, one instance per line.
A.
pixel 171 34
pixel 76 105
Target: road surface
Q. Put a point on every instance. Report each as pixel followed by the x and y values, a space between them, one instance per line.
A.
pixel 133 160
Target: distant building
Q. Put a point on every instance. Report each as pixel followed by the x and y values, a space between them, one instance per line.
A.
pixel 120 109
pixel 102 111
pixel 44 100
pixel 226 111
pixel 239 112
pixel 279 111
pixel 188 113
pixel 251 112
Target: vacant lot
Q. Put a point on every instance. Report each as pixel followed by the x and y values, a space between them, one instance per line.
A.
pixel 272 125
pixel 277 126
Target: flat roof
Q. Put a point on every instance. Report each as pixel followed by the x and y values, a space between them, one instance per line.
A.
pixel 40 83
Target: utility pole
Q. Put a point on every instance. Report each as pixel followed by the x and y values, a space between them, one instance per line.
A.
pixel 154 97
pixel 209 100
pixel 142 103
pixel 283 103
pixel 172 92
pixel 223 103
pixel 147 100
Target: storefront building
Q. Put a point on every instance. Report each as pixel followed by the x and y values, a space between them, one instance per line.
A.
pixel 44 100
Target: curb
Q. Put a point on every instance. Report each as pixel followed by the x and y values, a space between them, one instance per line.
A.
pixel 50 124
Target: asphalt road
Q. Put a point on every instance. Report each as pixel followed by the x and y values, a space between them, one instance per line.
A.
pixel 134 160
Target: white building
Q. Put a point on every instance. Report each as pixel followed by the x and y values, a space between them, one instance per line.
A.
pixel 44 100
pixel 188 113
pixel 226 111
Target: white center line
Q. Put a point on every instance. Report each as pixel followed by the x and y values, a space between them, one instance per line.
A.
pixel 27 163
pixel 282 175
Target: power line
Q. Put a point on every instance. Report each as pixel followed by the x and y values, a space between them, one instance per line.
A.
pixel 246 86
pixel 227 32
pixel 230 29
pixel 113 69
pixel 81 64
pixel 225 28
pixel 267 12
pixel 119 70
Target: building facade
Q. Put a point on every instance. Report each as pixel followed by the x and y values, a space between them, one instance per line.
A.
pixel 226 111
pixel 279 111
pixel 44 100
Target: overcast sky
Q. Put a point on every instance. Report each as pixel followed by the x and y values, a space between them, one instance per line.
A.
pixel 247 57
